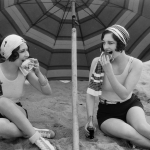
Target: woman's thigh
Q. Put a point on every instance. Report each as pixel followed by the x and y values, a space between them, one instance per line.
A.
pixel 135 115
pixel 118 128
pixel 3 123
pixel 8 129
pixel 3 127
pixel 136 118
pixel 22 110
pixel 6 102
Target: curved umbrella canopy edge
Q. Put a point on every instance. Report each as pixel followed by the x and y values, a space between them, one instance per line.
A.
pixel 46 25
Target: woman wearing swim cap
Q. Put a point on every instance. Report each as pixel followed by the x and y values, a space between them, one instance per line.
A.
pixel 13 117
pixel 120 113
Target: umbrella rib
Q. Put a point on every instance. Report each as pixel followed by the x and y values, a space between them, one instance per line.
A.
pixel 62 21
pixel 93 15
pixel 48 11
pixel 25 2
pixel 40 20
pixel 12 4
pixel 51 13
pixel 117 6
pixel 37 21
pixel 80 30
pixel 34 2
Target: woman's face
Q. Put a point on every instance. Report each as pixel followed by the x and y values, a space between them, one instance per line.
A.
pixel 23 53
pixel 110 45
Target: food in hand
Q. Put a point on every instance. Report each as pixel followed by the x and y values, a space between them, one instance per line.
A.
pixel 109 54
pixel 27 66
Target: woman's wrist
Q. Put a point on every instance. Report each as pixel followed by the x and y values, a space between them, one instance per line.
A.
pixel 90 118
pixel 90 121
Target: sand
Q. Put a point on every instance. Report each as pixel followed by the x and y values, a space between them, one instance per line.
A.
pixel 55 112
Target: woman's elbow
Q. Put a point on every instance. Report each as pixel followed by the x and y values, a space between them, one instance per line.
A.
pixel 47 92
pixel 124 96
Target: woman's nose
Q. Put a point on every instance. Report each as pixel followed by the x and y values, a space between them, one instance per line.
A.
pixel 27 53
pixel 105 46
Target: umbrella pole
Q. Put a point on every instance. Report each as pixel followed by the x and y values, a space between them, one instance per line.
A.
pixel 74 81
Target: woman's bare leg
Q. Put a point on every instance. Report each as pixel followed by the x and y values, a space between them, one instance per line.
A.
pixel 14 114
pixel 20 122
pixel 118 128
pixel 9 130
pixel 136 118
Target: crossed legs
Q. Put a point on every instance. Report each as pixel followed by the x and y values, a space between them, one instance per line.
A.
pixel 136 130
pixel 17 125
pixel 9 130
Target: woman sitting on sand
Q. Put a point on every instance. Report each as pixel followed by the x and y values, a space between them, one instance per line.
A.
pixel 13 117
pixel 120 112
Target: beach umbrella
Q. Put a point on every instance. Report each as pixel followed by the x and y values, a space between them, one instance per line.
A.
pixel 46 25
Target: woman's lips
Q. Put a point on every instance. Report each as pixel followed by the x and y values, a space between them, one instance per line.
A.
pixel 109 54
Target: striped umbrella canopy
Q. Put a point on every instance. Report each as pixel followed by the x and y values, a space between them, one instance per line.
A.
pixel 47 24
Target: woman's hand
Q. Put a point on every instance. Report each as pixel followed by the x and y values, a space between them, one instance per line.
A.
pixel 36 67
pixel 89 124
pixel 105 62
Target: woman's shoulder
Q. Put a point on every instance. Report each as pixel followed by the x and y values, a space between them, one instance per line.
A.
pixel 137 64
pixel 95 59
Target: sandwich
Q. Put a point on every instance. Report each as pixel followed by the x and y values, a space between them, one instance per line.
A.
pixel 27 66
pixel 109 54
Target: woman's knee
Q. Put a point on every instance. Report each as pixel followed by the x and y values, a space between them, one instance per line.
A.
pixel 8 129
pixel 23 111
pixel 4 127
pixel 124 131
pixel 142 127
pixel 129 135
pixel 4 103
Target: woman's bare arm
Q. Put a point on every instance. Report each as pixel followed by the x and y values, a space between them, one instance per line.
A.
pixel 132 79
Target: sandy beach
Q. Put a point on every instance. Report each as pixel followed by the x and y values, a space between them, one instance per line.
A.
pixel 55 112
